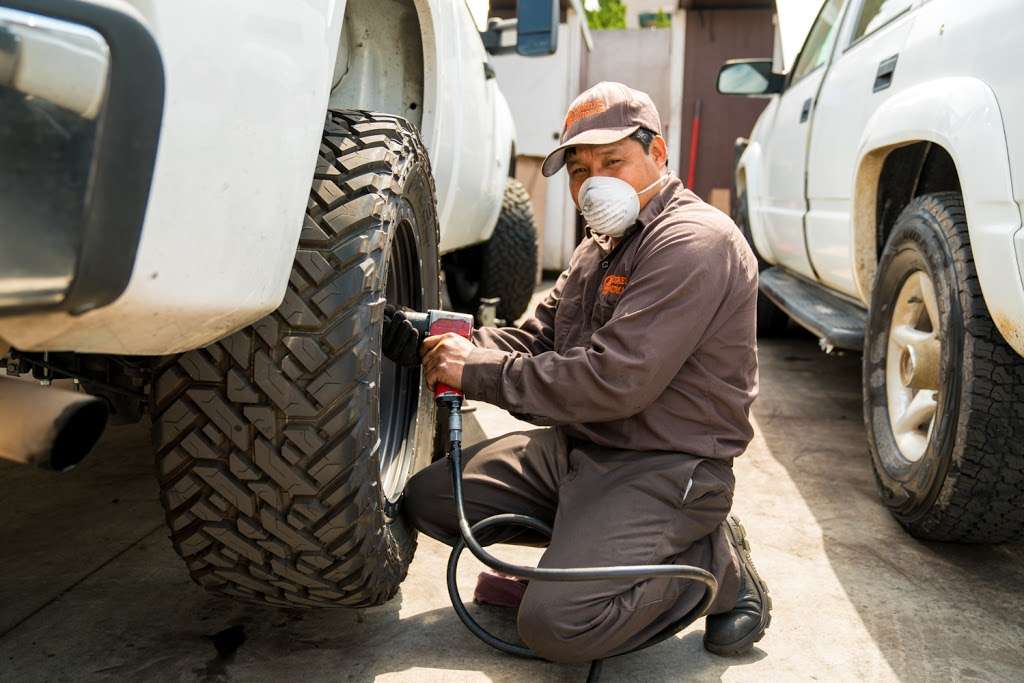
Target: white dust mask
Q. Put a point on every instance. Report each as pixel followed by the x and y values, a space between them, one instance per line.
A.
pixel 611 205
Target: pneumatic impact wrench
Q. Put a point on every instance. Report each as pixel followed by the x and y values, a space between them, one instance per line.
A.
pixel 434 323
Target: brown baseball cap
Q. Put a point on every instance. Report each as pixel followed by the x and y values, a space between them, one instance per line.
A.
pixel 606 113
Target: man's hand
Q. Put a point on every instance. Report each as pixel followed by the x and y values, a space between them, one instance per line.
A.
pixel 399 339
pixel 444 357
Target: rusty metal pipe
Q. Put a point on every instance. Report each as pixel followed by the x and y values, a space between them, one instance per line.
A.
pixel 48 427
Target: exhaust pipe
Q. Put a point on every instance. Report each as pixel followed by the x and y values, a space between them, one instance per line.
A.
pixel 48 427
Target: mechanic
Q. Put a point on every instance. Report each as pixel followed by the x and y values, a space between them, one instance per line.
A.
pixel 644 359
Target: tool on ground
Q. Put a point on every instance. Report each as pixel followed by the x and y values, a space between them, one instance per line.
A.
pixel 440 322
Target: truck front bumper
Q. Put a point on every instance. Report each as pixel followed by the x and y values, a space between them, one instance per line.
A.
pixel 81 102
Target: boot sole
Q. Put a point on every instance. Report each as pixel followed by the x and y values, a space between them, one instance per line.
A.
pixel 738 535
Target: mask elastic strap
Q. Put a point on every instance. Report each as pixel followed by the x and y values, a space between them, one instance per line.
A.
pixel 661 179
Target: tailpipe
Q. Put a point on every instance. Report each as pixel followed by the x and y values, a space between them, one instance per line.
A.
pixel 48 427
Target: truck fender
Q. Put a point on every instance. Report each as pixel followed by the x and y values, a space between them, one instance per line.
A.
pixel 748 179
pixel 961 115
pixel 504 143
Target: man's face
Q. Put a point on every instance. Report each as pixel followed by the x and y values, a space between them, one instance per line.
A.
pixel 624 159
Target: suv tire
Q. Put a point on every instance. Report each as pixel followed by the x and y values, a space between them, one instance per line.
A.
pixel 957 475
pixel 270 442
pixel 506 266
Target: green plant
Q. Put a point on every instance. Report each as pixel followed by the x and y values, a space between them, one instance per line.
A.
pixel 662 19
pixel 609 14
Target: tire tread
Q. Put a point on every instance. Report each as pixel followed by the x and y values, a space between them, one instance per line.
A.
pixel 265 460
pixel 981 499
pixel 510 258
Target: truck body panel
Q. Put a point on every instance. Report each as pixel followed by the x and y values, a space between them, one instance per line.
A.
pixel 243 115
pixel 247 88
pixel 952 86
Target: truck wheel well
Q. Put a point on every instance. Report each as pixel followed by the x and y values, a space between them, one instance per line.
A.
pixel 380 62
pixel 907 173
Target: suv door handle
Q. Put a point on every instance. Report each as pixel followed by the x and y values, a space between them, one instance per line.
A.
pixel 886 68
pixel 805 111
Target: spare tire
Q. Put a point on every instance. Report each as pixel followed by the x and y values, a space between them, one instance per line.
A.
pixel 283 450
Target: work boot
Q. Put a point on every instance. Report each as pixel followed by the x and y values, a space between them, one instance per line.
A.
pixel 735 632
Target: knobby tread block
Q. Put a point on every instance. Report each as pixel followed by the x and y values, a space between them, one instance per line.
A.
pixel 265 442
pixel 510 260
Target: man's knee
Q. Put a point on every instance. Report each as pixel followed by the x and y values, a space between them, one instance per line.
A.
pixel 559 632
pixel 427 502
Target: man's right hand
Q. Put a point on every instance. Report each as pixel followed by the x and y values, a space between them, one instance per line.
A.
pixel 400 341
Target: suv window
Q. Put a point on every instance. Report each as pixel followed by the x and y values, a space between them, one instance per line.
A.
pixel 875 13
pixel 820 40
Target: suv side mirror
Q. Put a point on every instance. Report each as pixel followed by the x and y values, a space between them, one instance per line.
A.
pixel 750 77
pixel 536 26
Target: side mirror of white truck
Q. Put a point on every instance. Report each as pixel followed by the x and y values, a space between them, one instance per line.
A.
pixel 536 30
pixel 749 77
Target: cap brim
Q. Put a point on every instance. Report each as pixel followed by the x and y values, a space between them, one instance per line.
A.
pixel 597 136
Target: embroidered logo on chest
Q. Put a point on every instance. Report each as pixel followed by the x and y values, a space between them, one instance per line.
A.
pixel 614 284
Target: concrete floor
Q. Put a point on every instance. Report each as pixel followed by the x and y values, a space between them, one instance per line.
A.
pixel 93 591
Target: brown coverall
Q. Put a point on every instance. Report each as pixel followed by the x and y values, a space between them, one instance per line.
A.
pixel 645 359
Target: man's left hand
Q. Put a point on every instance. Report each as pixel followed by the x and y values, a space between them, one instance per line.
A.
pixel 444 357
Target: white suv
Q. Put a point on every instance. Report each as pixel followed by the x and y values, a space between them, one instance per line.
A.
pixel 881 188
pixel 204 207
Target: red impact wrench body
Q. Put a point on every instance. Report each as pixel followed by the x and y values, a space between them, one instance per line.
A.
pixel 433 323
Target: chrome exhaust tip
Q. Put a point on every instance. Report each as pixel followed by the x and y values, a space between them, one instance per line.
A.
pixel 48 427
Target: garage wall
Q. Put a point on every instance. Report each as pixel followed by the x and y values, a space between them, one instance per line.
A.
pixel 640 58
pixel 712 37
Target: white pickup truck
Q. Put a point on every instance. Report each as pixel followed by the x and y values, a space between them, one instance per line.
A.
pixel 204 207
pixel 882 189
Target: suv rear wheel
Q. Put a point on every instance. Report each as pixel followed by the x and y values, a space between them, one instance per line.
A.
pixel 506 266
pixel 283 450
pixel 942 390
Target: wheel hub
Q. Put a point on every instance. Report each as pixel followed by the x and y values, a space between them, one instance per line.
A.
pixel 919 365
pixel 913 363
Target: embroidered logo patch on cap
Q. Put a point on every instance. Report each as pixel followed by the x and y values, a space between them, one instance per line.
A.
pixel 584 110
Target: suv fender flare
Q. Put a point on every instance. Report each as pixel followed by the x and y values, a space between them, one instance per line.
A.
pixel 961 115
pixel 748 179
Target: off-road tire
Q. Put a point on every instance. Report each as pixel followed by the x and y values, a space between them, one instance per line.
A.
pixel 969 484
pixel 268 441
pixel 511 266
pixel 505 266
pixel 772 321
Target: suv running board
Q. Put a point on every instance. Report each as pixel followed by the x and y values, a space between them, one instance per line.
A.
pixel 839 323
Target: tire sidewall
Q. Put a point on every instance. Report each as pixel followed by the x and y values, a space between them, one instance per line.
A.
pixel 917 243
pixel 414 205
